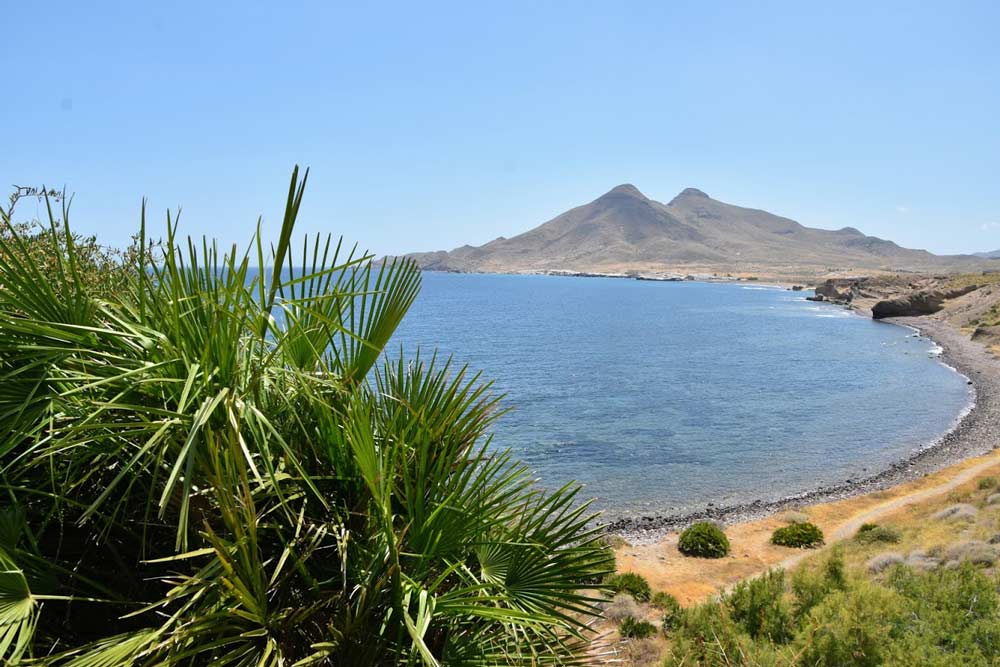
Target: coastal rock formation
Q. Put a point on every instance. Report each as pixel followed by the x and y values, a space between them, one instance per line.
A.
pixel 918 303
pixel 839 290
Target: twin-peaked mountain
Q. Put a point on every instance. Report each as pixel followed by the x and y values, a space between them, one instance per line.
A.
pixel 624 230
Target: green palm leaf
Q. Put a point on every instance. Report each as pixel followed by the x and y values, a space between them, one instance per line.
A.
pixel 214 450
pixel 18 611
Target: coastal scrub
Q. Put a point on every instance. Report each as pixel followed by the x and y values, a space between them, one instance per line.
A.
pixel 798 535
pixel 215 463
pixel 631 583
pixel 703 540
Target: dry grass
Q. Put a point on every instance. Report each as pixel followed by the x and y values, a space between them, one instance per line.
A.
pixel 621 607
pixel 960 280
pixel 884 561
pixel 961 511
pixel 794 516
pixel 694 580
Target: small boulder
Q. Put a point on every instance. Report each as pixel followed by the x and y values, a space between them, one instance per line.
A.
pixel 925 302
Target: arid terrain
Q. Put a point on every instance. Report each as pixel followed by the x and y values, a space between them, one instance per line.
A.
pixel 968 302
pixel 626 232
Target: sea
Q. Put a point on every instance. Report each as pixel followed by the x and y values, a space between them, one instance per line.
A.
pixel 662 397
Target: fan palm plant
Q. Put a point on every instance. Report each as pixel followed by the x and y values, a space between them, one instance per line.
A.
pixel 210 465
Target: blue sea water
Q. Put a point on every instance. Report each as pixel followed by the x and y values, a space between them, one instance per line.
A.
pixel 662 397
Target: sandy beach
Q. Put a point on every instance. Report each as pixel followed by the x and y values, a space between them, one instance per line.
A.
pixel 964 452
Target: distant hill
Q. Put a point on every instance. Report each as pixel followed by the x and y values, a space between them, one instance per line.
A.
pixel 995 254
pixel 625 231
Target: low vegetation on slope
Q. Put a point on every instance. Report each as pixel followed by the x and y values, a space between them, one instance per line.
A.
pixel 825 618
pixel 204 465
pixel 921 589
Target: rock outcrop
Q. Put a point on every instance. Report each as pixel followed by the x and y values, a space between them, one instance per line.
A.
pixel 838 290
pixel 918 303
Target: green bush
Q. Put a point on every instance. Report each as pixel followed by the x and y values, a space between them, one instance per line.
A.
pixel 635 629
pixel 941 618
pixel 851 628
pixel 810 586
pixel 707 636
pixel 670 607
pixel 798 535
pixel 703 540
pixel 631 583
pixel 987 483
pixel 758 605
pixel 871 533
pixel 955 612
pixel 217 464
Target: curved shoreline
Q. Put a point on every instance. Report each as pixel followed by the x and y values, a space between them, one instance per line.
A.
pixel 973 434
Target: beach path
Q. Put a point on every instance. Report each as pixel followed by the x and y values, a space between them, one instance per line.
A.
pixel 695 579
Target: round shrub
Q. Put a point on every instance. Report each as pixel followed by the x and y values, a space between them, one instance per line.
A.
pixel 798 535
pixel 987 483
pixel 703 540
pixel 871 533
pixel 631 583
pixel 634 629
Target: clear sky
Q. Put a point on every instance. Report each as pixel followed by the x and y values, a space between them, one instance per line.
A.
pixel 431 125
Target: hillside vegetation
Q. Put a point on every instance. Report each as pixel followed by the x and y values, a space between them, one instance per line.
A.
pixel 920 588
pixel 204 464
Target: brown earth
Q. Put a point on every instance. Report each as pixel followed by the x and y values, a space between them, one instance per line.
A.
pixel 623 231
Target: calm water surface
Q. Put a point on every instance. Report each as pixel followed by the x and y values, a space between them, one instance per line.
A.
pixel 661 397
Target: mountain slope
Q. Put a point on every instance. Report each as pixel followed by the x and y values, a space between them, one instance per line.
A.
pixel 623 230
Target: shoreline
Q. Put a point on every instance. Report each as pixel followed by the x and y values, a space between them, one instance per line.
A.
pixel 975 432
pixel 650 276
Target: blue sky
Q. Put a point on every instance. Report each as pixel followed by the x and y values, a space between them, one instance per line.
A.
pixel 430 125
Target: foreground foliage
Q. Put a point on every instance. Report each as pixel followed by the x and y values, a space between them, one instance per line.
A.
pixel 632 628
pixel 824 618
pixel 209 466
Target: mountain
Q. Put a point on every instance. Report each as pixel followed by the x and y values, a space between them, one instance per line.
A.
pixel 625 231
pixel 994 254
